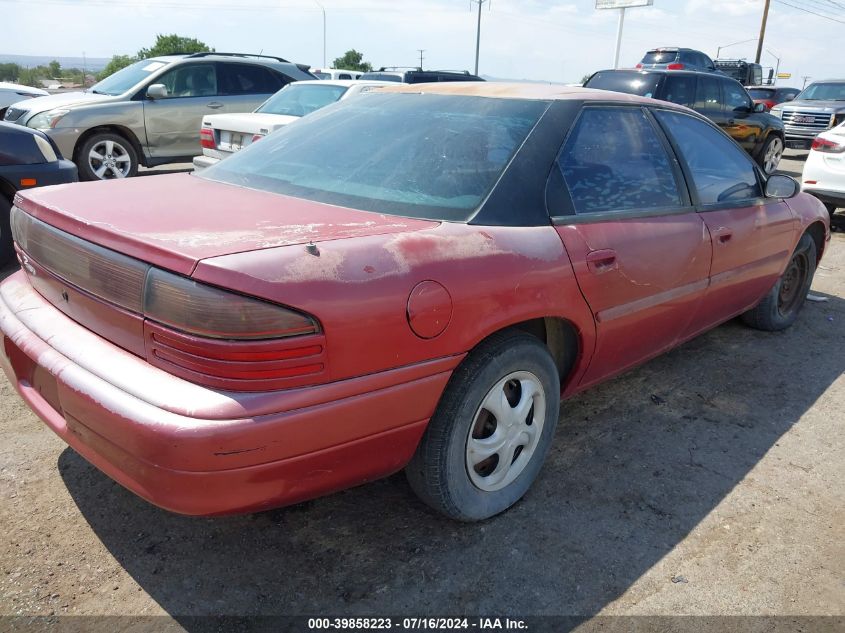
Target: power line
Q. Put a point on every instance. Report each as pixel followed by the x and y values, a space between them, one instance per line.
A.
pixel 806 10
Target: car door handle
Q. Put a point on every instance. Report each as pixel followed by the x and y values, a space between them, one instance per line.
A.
pixel 731 122
pixel 723 235
pixel 601 261
pixel 215 104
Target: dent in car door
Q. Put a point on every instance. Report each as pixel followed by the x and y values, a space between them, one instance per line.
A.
pixel 173 122
pixel 752 236
pixel 640 253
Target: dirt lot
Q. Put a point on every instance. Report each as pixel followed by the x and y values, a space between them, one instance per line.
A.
pixel 709 481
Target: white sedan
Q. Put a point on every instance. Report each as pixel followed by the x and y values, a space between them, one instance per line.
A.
pixel 222 135
pixel 12 93
pixel 824 171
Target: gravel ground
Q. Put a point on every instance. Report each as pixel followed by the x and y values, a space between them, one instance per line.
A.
pixel 707 482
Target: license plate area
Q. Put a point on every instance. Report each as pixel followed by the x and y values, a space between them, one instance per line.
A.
pixel 233 141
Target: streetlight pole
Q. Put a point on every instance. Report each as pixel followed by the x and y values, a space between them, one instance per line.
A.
pixel 478 33
pixel 323 9
pixel 719 50
pixel 619 37
pixel 777 66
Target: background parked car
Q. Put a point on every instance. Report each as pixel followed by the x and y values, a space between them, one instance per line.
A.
pixel 27 159
pixel 718 97
pixel 671 58
pixel 770 96
pixel 221 135
pixel 397 74
pixel 335 73
pixel 149 112
pixel 12 93
pixel 824 171
pixel 816 109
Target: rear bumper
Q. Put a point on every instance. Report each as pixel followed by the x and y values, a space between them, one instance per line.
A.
pixel 203 161
pixel 829 197
pixel 193 456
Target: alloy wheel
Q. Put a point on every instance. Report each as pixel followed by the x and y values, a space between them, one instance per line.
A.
pixel 109 159
pixel 774 152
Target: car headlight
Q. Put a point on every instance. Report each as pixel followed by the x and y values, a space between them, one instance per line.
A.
pixel 46 120
pixel 776 112
pixel 46 149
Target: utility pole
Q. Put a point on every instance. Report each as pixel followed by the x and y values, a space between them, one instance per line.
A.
pixel 421 51
pixel 323 9
pixel 619 37
pixel 762 31
pixel 478 32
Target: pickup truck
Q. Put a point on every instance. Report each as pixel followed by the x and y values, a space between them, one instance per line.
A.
pixel 816 109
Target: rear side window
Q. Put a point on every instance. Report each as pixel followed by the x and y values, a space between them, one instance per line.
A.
pixel 246 79
pixel 680 89
pixel 707 96
pixel 735 96
pixel 613 161
pixel 721 170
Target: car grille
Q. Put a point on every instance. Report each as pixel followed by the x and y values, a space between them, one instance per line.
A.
pixel 806 122
pixel 13 114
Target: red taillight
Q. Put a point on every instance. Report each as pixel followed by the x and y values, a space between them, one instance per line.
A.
pixel 207 138
pixel 257 137
pixel 769 104
pixel 675 67
pixel 638 66
pixel 826 146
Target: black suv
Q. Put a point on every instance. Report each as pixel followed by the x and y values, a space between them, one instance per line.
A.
pixel 418 75
pixel 721 99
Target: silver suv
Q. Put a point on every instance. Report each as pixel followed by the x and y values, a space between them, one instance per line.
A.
pixel 149 113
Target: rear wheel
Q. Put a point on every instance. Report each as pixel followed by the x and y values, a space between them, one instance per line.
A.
pixel 771 154
pixel 780 307
pixel 491 431
pixel 106 156
pixel 7 246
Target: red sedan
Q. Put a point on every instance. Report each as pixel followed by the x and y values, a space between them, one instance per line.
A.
pixel 411 279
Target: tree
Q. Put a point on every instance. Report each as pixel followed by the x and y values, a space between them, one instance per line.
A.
pixel 29 77
pixel 173 44
pixel 9 72
pixel 352 60
pixel 55 69
pixel 117 62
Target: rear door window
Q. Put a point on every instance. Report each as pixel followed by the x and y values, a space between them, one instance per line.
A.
pixel 707 95
pixel 721 171
pixel 246 79
pixel 679 89
pixel 614 160
pixel 735 97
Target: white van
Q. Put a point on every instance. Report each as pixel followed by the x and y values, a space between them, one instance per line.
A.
pixel 335 73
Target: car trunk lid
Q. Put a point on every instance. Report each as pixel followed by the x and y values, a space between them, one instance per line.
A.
pixel 174 221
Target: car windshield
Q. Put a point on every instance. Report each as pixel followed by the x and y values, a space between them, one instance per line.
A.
pixel 635 83
pixel 413 155
pixel 126 78
pixel 301 99
pixel 761 93
pixel 824 92
pixel 659 57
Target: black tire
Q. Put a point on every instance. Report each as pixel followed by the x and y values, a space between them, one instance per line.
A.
pixel 439 471
pixel 781 305
pixel 831 208
pixel 124 158
pixel 7 245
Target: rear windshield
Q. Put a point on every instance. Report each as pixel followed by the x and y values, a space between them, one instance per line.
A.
pixel 761 93
pixel 300 99
pixel 382 77
pixel 320 75
pixel 659 57
pixel 824 92
pixel 413 155
pixel 734 72
pixel 635 83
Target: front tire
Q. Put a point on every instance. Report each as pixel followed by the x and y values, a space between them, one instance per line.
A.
pixel 106 156
pixel 771 154
pixel 780 307
pixel 491 431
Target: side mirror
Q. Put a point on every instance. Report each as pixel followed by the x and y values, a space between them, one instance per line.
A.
pixel 157 91
pixel 759 107
pixel 789 97
pixel 780 186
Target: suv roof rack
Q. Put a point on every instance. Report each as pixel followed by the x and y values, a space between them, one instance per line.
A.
pixel 206 54
pixel 448 70
pixel 384 68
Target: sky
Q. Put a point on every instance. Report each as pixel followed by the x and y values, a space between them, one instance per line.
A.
pixel 548 40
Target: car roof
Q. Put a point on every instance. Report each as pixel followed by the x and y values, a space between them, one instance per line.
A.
pixel 343 82
pixel 663 71
pixel 505 90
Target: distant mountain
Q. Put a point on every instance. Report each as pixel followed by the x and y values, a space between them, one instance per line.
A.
pixel 91 63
